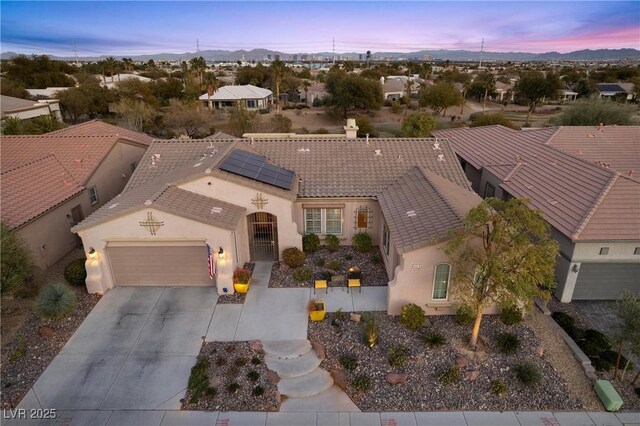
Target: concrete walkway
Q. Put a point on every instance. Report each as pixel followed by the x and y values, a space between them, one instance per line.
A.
pixel 449 418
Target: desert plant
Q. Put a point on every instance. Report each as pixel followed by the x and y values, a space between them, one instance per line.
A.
pixel 75 272
pixel 398 355
pixel 232 372
pixel 348 362
pixel 310 242
pixel 256 361
pixel 321 276
pixel 412 316
pixel 340 316
pixel 449 375
pixel 16 261
pixel 527 374
pixel 332 242
pixel 258 391
pixel 302 274
pixel 220 361
pixel 240 362
pixel 371 332
pixel 563 320
pixel 498 387
pixel 465 315
pixel 361 382
pixel 253 375
pixel 334 265
pixel 211 391
pixel 361 242
pixel 601 364
pixel 233 387
pixel 20 350
pixel 511 315
pixel 508 343
pixel 376 258
pixel 198 380
pixel 348 257
pixel 434 339
pixel 55 301
pixel 293 257
pixel 320 262
pixel 241 276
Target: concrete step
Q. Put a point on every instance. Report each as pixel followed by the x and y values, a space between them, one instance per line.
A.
pixel 286 348
pixel 293 367
pixel 308 385
pixel 331 400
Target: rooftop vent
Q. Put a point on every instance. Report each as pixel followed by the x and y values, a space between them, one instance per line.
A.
pixel 147 203
pixel 436 145
pixel 411 213
pixel 377 152
pixel 441 157
pixel 112 205
pixel 529 186
pixel 198 164
pixel 303 150
pixel 216 210
pixel 553 202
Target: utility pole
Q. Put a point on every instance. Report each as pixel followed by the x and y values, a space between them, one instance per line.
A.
pixel 334 50
pixel 197 45
pixel 481 50
pixel 75 52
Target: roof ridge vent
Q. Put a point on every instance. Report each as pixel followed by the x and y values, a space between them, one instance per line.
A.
pixel 436 145
pixel 377 152
pixel 304 150
pixel 216 210
pixel 441 157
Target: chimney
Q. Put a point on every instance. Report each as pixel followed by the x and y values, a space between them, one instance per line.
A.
pixel 351 129
pixel 367 136
pixel 382 81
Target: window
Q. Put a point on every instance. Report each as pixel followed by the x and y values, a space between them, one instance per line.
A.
pixel 441 281
pixel 93 195
pixel 489 190
pixel 362 218
pixel 323 221
pixel 133 166
pixel 604 250
pixel 637 250
pixel 251 103
pixel 385 238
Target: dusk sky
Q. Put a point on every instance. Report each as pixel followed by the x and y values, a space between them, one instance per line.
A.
pixel 130 28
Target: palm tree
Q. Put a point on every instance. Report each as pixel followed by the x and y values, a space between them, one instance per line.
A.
pixel 305 86
pixel 212 86
pixel 110 65
pixel 465 89
pixel 198 65
pixel 368 57
pixel 488 84
pixel 128 64
pixel 277 70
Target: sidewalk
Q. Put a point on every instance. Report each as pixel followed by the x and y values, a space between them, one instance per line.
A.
pixel 452 418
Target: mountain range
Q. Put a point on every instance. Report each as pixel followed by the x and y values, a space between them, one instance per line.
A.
pixel 440 54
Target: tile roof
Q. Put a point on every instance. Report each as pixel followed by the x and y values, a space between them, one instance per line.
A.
pixel 394 85
pixel 226 93
pixel 616 146
pixel 568 190
pixel 34 188
pixel 421 208
pixel 97 127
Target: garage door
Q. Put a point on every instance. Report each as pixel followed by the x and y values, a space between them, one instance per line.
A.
pixel 160 265
pixel 606 280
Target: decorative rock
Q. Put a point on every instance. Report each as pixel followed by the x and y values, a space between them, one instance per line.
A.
pixel 272 377
pixel 538 351
pixel 256 345
pixel 215 381
pixel 471 375
pixel 355 317
pixel 339 378
pixel 46 331
pixel 461 362
pixel 284 267
pixel 319 350
pixel 396 378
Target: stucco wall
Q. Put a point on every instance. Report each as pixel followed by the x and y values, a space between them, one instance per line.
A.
pixel 473 175
pixel 288 235
pixel 127 230
pixel 49 237
pixel 619 252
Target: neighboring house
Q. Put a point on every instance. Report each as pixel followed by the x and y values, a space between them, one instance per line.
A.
pixel 568 94
pixel 609 90
pixel 51 182
pixel 250 199
pixel 49 92
pixel 111 81
pixel 583 180
pixel 249 96
pixel 504 92
pixel 25 109
pixel 316 91
pixel 395 88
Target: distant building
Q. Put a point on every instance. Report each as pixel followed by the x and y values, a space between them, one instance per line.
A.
pixel 250 97
pixel 25 109
pixel 609 90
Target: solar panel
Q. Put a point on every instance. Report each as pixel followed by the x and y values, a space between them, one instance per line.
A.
pixel 255 167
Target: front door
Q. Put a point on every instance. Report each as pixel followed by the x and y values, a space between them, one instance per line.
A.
pixel 263 236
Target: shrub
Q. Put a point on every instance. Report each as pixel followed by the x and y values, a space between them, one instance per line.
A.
pixel 597 339
pixel 600 364
pixel 256 361
pixel 434 339
pixel 293 257
pixel 320 262
pixel 321 130
pixel 258 391
pixel 233 387
pixel 240 362
pixel 398 355
pixel 198 380
pixel 465 315
pixel 319 276
pixel 354 273
pixel 412 316
pixel 449 375
pixel 16 262
pixel 310 242
pixel 396 107
pixel 576 333
pixel 241 276
pixel 361 382
pixel 334 265
pixel 510 315
pixel 75 272
pixel 637 390
pixel 508 343
pixel 340 316
pixel 371 331
pixel 527 374
pixel 20 350
pixel 332 242
pixel 348 362
pixel 253 375
pixel 348 257
pixel 498 387
pixel 376 258
pixel 302 274
pixel 232 372
pixel 55 301
pixel 211 391
pixel 563 320
pixel 220 361
pixel 361 242
pixel 491 119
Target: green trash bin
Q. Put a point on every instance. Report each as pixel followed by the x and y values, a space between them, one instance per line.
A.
pixel 608 395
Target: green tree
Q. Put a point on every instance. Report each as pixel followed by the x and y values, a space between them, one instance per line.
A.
pixel 184 116
pixel 212 86
pixel 16 262
pixel 279 124
pixel 43 124
pixel 74 103
pixel 365 127
pixel 439 97
pixel 629 313
pixel 277 69
pixel 38 72
pixel 492 119
pixel 136 112
pixel 111 65
pixel 166 89
pixel 14 89
pixel 241 121
pixel 417 126
pixel 533 86
pixel 486 84
pixel 198 66
pixel 12 126
pixel 504 254
pixel 594 111
pixel 306 84
pixel 348 91
pixel 134 89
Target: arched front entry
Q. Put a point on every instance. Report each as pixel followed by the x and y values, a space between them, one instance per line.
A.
pixel 263 236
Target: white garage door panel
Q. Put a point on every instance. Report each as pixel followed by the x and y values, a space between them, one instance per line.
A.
pixel 160 266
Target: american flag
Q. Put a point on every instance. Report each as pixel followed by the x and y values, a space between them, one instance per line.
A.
pixel 210 262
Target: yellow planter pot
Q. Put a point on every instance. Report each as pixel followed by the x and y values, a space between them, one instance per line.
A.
pixel 319 314
pixel 241 288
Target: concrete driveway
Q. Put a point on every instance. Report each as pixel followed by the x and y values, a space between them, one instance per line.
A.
pixel 134 351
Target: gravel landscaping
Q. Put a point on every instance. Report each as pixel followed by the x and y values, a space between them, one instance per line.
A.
pixel 369 263
pixel 422 389
pixel 28 353
pixel 229 363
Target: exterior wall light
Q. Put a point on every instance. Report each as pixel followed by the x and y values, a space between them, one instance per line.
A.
pixel 92 253
pixel 576 268
pixel 221 253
